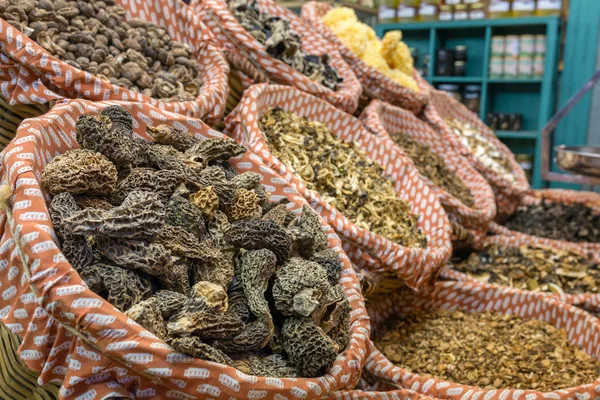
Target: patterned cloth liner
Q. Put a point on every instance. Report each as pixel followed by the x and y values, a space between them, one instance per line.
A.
pixel 375 84
pixel 54 309
pixel 581 327
pixel 400 394
pixel 590 249
pixel 442 106
pixel 368 251
pixel 383 119
pixel 234 37
pixel 31 75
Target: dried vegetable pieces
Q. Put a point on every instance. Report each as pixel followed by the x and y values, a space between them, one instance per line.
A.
pixel 280 42
pixel 434 167
pixel 482 148
pixel 343 175
pixel 390 56
pixel 94 36
pixel 196 253
pixel 534 268
pixel 575 222
pixel 488 350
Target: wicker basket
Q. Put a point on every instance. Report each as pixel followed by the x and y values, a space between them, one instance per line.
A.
pixel 11 117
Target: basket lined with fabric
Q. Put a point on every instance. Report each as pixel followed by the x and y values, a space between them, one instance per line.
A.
pixel 34 76
pixel 581 327
pixel 442 107
pixel 414 266
pixel 590 249
pixel 234 38
pixel 384 120
pixel 375 84
pixel 588 301
pixel 74 337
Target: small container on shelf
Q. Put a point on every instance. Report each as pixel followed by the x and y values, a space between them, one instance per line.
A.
pixel 473 98
pixel 527 45
pixel 471 1
pixel 445 62
pixel 387 11
pixel 510 69
pixel 538 66
pixel 492 120
pixel 496 67
pixel 525 66
pixel 425 68
pixel 512 46
pixel 547 8
pixel 461 12
pixel 503 122
pixel 540 45
pixel 446 13
pixel 477 11
pixel 453 2
pixel 428 12
pixel 515 122
pixel 499 9
pixel 498 46
pixel 405 13
pixel 526 162
pixel 460 53
pixel 452 89
pixel 459 68
pixel 523 8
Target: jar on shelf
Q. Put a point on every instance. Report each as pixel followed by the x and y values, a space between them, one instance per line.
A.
pixel 473 98
pixel 525 66
pixel 523 8
pixel 444 63
pixel 538 66
pixel 452 89
pixel 496 67
pixel 546 8
pixel 461 12
pixel 460 68
pixel 453 2
pixel 512 46
pixel 540 45
pixel 446 13
pixel 477 11
pixel 510 68
pixel 499 9
pixel 527 45
pixel 428 12
pixel 387 11
pixel 498 46
pixel 425 68
pixel 406 13
pixel 460 53
pixel 526 162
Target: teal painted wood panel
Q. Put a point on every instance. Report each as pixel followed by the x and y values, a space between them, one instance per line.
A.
pixel 580 60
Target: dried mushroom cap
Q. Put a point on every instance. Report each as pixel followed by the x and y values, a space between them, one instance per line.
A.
pixel 273 365
pixel 141 216
pixel 330 260
pixel 62 206
pixel 255 336
pixel 308 347
pixel 181 242
pixel 255 270
pixel 207 201
pixel 176 278
pixel 215 149
pixel 197 318
pixel 245 205
pixel 219 270
pixel 168 135
pixel 251 181
pixel 93 277
pixel 337 323
pixel 258 234
pixel 215 177
pixel 194 346
pixel 214 295
pixel 238 305
pixel 309 223
pixel 180 212
pixel 147 314
pixel 120 118
pixel 78 251
pixel 163 183
pixel 300 286
pixel 279 214
pixel 151 258
pixel 125 287
pixel 96 133
pixel 93 202
pixel 169 302
pixel 80 171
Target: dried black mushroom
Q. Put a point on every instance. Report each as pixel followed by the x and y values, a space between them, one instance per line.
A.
pixel 93 35
pixel 195 253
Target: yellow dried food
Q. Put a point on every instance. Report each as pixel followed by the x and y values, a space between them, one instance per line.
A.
pixel 372 57
pixel 339 14
pixel 396 52
pixel 352 35
pixel 405 80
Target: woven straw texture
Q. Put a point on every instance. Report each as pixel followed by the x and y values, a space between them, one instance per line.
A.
pixel 74 337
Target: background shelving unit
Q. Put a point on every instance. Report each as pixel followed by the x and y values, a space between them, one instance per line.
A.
pixel 534 98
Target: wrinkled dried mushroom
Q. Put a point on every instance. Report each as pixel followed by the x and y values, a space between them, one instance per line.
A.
pixel 195 253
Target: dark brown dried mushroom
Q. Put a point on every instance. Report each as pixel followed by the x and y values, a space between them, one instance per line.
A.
pixel 259 234
pixel 169 302
pixel 193 346
pixel 147 314
pixel 80 171
pixel 165 134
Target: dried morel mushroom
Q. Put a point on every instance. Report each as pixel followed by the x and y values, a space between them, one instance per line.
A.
pixel 94 36
pixel 434 167
pixel 196 254
pixel 573 222
pixel 343 175
pixel 280 42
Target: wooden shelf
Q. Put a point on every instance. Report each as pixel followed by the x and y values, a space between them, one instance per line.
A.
pixel 532 135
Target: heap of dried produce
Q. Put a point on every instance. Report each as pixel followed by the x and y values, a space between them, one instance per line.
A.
pixel 280 42
pixel 533 268
pixel 343 175
pixel 94 36
pixel 573 222
pixel 434 167
pixel 482 148
pixel 170 234
pixel 390 56
pixel 488 350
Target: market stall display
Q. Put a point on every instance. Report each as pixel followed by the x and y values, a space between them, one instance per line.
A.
pixel 464 193
pixel 105 343
pixel 366 198
pixel 260 31
pixel 555 331
pixel 370 61
pixel 105 51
